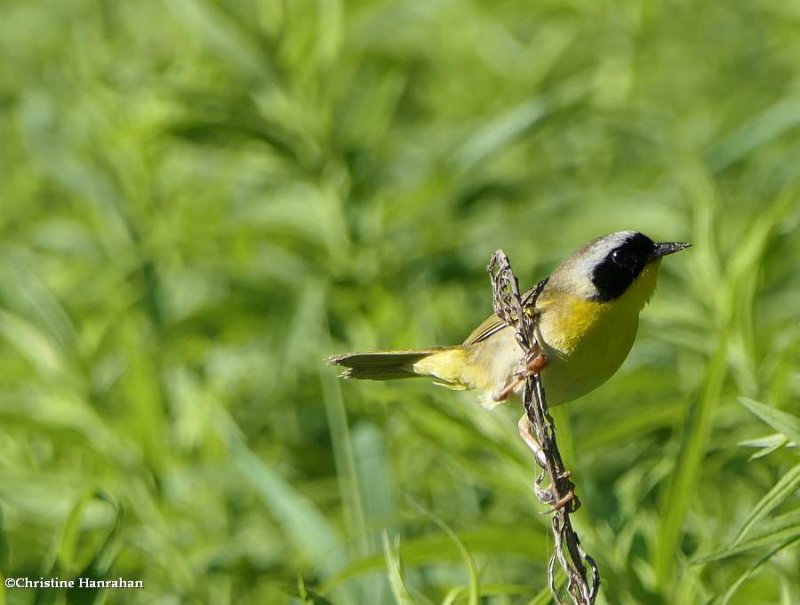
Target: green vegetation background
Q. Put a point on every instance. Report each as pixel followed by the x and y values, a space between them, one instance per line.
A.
pixel 201 200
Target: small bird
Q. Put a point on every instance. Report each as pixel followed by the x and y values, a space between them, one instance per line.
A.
pixel 588 314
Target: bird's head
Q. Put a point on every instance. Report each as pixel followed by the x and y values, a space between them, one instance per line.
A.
pixel 610 266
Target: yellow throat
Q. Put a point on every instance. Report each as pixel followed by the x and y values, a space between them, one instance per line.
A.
pixel 587 340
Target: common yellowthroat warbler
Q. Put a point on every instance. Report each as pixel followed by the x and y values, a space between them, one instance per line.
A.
pixel 588 312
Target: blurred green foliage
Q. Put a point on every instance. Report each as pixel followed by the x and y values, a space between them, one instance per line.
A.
pixel 201 200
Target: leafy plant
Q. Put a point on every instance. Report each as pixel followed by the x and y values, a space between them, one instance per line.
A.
pixel 203 199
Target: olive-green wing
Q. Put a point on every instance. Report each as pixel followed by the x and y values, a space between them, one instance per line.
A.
pixel 493 324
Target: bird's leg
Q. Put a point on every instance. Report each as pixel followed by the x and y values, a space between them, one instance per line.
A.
pixel 535 362
pixel 565 499
pixel 504 392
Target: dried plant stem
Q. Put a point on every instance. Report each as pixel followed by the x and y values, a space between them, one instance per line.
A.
pixel 519 312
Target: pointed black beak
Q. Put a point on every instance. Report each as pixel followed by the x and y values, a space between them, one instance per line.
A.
pixel 666 248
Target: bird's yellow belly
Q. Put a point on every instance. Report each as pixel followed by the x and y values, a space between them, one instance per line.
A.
pixel 586 342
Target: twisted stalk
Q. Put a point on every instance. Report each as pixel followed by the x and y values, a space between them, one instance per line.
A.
pixel 559 493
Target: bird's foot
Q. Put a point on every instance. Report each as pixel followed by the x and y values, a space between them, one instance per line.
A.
pixel 535 361
pixel 565 500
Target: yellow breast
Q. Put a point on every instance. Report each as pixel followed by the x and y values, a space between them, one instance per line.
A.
pixel 566 325
pixel 586 340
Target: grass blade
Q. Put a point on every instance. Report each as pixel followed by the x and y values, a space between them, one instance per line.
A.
pixel 395 572
pixel 785 487
pixel 306 527
pixel 779 529
pixel 492 540
pixel 474 578
pixel 784 423
pixel 755 567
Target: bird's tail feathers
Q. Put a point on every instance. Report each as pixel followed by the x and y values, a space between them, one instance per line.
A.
pixel 386 365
